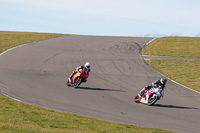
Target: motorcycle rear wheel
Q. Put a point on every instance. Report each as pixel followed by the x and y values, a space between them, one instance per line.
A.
pixel 77 82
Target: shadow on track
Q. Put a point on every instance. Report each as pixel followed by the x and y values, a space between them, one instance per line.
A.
pixel 99 89
pixel 173 106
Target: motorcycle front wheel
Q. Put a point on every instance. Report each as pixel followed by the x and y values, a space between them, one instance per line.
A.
pixel 68 83
pixel 136 99
pixel 77 82
pixel 152 100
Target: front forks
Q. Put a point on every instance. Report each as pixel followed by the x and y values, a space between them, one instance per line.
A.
pixel 147 98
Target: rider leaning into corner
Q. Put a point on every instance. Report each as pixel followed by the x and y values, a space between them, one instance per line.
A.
pixel 86 67
pixel 155 84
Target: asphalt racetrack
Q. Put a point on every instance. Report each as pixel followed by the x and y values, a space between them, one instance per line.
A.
pixel 37 74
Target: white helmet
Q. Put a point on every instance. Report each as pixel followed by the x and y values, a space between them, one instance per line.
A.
pixel 87 65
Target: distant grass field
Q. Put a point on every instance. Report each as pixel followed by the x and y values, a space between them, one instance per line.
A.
pixel 186 72
pixel 11 39
pixel 17 117
pixel 174 46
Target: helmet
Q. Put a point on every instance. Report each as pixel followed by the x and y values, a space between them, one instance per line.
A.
pixel 163 80
pixel 87 65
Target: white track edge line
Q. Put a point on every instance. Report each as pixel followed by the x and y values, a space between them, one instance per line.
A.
pixel 1 55
pixel 10 97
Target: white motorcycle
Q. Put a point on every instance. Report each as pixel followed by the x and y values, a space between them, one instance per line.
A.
pixel 150 96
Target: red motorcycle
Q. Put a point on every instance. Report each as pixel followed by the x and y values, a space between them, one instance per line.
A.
pixel 78 78
pixel 150 96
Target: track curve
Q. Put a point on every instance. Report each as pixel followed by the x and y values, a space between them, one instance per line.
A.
pixel 37 73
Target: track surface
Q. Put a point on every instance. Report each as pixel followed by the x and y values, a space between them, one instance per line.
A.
pixel 37 73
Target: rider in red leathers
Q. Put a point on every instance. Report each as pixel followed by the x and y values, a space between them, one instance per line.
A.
pixel 86 66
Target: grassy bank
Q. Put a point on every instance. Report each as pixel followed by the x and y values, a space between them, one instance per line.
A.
pixel 186 72
pixel 17 117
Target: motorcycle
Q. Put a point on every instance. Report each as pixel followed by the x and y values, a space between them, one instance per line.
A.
pixel 78 78
pixel 150 97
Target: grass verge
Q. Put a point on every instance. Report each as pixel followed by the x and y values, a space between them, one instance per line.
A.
pixel 186 72
pixel 17 117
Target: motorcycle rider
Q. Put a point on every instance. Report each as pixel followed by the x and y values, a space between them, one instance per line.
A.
pixel 155 84
pixel 87 69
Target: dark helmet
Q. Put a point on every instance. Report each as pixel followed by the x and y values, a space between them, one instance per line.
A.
pixel 163 80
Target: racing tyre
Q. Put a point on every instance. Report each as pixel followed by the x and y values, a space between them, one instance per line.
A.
pixel 77 82
pixel 68 83
pixel 136 99
pixel 152 100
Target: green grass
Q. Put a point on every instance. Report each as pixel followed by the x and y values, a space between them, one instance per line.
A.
pixel 17 117
pixel 186 72
pixel 174 46
pixel 11 39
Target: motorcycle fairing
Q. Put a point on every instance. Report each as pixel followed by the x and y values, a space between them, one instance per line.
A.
pixel 144 99
pixel 76 76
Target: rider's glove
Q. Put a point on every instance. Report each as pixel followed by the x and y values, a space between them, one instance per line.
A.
pixel 77 69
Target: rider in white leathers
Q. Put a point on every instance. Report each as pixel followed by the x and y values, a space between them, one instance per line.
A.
pixel 155 84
